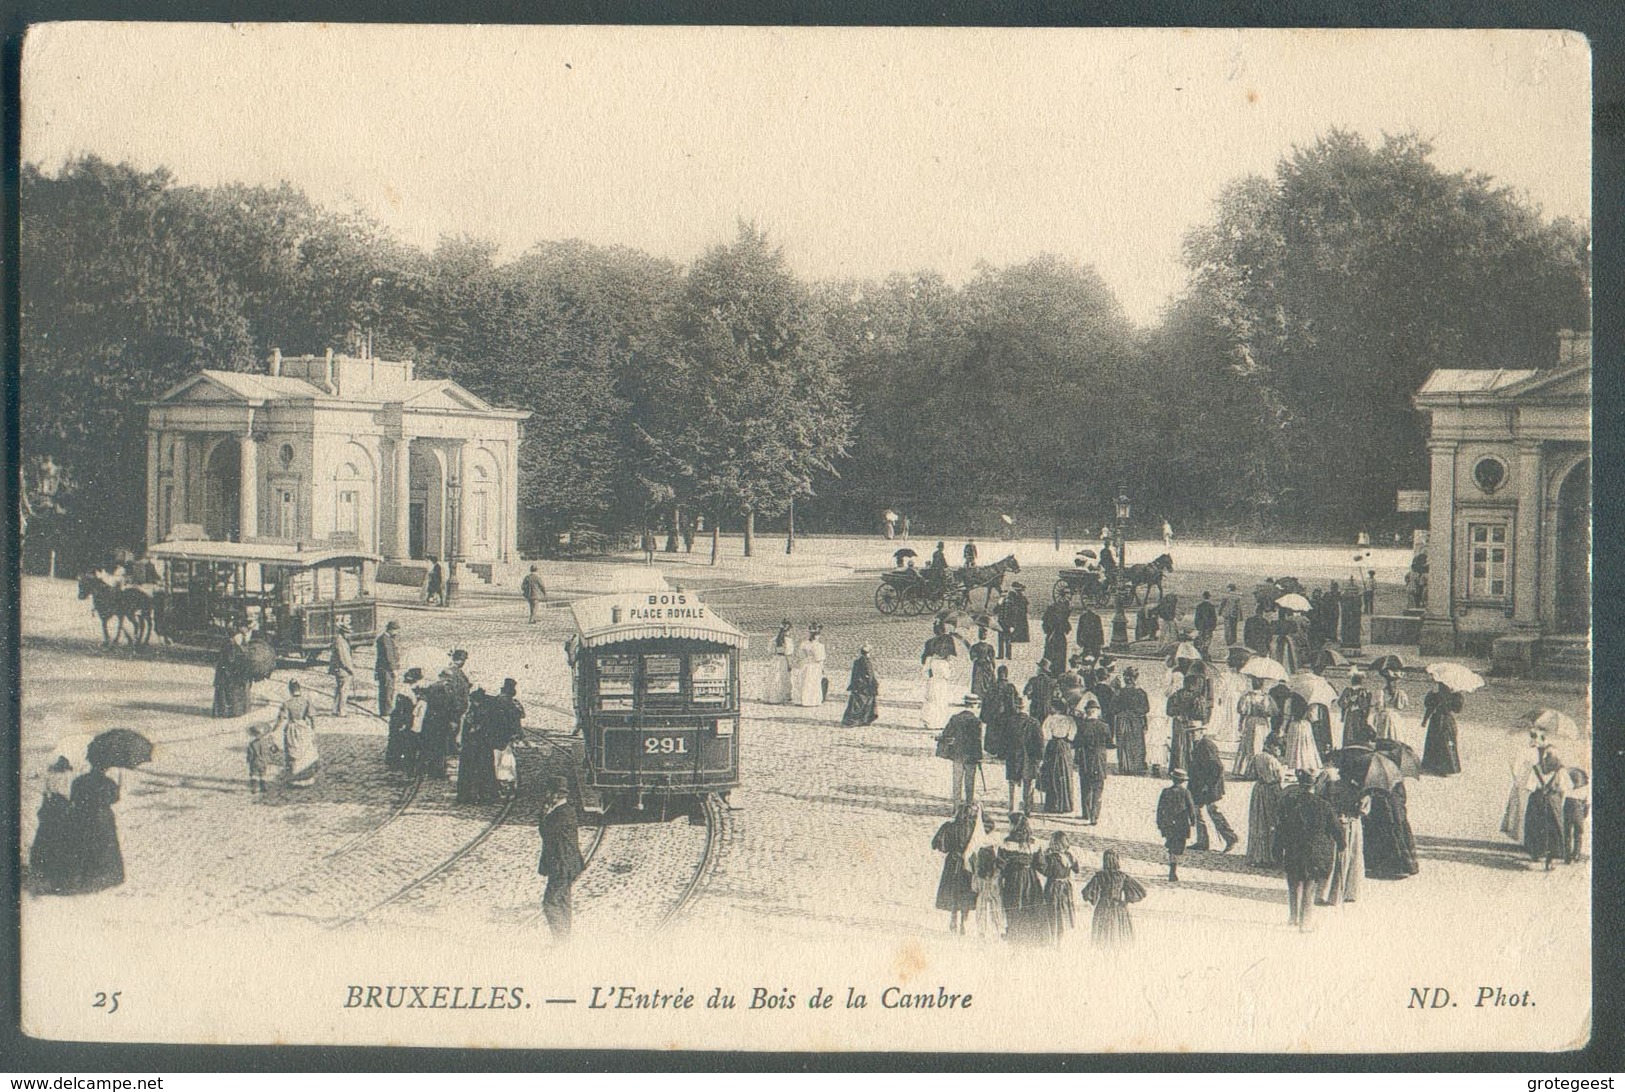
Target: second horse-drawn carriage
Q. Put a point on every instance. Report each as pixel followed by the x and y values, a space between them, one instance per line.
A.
pixel 935 588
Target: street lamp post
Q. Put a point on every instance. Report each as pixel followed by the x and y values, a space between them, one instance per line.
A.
pixel 1119 620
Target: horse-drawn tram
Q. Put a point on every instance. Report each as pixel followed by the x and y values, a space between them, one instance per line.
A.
pixel 656 697
pixel 295 598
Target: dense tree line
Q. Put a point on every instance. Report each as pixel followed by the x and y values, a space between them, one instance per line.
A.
pixel 1273 397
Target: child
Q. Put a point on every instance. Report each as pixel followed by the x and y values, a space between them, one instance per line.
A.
pixel 1576 807
pixel 264 757
pixel 1111 890
pixel 1176 816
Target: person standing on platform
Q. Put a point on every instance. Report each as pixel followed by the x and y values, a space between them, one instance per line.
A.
pixel 534 591
pixel 863 688
pixel 1207 789
pixel 561 861
pixel 341 665
pixel 1013 622
pixel 386 664
pixel 1176 816
pixel 1093 740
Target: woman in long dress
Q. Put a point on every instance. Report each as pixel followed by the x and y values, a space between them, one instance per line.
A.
pixel 1111 890
pixel 1390 847
pixel 232 680
pixel 97 862
pixel 1057 865
pixel 1131 709
pixel 1523 782
pixel 51 857
pixel 863 688
pixel 1388 705
pixel 778 675
pixel 982 860
pixel 1020 888
pixel 1254 711
pixel 954 892
pixel 1301 752
pixel 1287 647
pixel 1264 808
pixel 1355 705
pixel 302 759
pixel 937 663
pixel 1439 754
pixel 982 675
pixel 1543 819
pixel 1057 775
pixel 810 681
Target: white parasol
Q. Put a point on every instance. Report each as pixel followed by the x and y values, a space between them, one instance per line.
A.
pixel 1313 689
pixel 1262 667
pixel 1293 601
pixel 1552 722
pixel 1457 677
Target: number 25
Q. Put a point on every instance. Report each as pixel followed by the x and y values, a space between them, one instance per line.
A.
pixel 108 1001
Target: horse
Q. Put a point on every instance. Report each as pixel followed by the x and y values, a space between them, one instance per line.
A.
pixel 986 577
pixel 1147 576
pixel 113 601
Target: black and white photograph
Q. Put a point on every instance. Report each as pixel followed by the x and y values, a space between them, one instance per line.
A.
pixel 806 539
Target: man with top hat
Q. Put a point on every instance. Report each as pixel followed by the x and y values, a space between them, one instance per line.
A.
pixel 385 665
pixel 561 861
pixel 962 745
pixel 1013 624
pixel 1176 815
pixel 341 665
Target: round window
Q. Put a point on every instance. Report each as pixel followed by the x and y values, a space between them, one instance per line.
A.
pixel 1490 474
pixel 286 455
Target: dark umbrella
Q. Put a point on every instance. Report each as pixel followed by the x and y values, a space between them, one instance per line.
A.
pixel 259 659
pixel 1367 768
pixel 1388 663
pixel 1328 657
pixel 1238 656
pixel 987 621
pixel 903 553
pixel 1409 763
pixel 119 747
pixel 1087 553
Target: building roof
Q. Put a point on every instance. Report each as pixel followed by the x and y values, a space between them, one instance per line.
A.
pixel 1473 380
pixel 639 616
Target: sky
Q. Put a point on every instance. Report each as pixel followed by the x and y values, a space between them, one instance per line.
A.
pixel 861 152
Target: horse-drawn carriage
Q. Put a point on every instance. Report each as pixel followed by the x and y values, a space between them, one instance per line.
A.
pixel 1081 585
pixel 927 590
pixel 295 598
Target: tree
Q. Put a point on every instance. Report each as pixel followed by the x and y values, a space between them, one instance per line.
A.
pixel 748 410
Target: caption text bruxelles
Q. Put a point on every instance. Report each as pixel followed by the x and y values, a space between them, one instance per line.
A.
pixel 680 999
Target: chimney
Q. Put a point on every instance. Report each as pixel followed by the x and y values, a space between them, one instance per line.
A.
pixel 327 373
pixel 276 361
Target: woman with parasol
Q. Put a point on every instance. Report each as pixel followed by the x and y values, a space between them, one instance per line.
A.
pixel 232 676
pixel 1111 890
pixel 1302 753
pixel 1255 712
pixel 1390 847
pixel 1439 754
pixel 1289 644
pixel 1524 761
pixel 95 861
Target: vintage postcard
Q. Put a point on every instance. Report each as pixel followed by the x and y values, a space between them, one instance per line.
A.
pixel 806 539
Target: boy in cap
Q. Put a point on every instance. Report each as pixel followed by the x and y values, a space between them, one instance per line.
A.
pixel 264 756
pixel 1176 815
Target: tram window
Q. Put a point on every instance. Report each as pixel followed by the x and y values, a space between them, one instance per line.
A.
pixel 662 680
pixel 709 671
pixel 615 681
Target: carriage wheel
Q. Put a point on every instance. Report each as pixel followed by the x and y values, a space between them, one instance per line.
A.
pixel 912 603
pixel 887 599
pixel 1061 591
pixel 961 598
pixel 933 601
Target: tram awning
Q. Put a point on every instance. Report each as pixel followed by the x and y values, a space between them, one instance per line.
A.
pixel 640 616
pixel 263 553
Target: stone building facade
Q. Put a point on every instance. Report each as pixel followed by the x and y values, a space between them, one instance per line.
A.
pixel 1509 541
pixel 335 450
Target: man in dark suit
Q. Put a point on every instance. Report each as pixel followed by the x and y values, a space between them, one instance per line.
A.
pixel 1256 633
pixel 1091 632
pixel 1207 789
pixel 385 666
pixel 1207 620
pixel 561 860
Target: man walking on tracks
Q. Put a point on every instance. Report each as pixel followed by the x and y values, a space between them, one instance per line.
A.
pixel 534 591
pixel 561 861
pixel 342 667
pixel 961 742
pixel 384 667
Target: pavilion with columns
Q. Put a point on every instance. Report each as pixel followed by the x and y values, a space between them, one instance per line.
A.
pixel 335 451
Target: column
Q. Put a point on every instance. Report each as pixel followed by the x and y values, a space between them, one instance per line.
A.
pixel 154 496
pixel 1526 543
pixel 1439 622
pixel 248 489
pixel 456 475
pixel 402 511
pixel 180 473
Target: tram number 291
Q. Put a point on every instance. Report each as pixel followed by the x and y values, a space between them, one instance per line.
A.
pixel 665 745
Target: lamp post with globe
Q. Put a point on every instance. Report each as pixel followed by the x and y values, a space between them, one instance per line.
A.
pixel 1119 620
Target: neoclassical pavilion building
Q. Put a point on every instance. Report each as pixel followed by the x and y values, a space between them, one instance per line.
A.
pixel 1509 538
pixel 335 450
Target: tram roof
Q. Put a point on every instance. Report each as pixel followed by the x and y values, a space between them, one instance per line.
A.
pixel 651 615
pixel 264 553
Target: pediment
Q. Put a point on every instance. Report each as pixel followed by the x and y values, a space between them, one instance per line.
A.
pixel 1572 382
pixel 201 388
pixel 448 396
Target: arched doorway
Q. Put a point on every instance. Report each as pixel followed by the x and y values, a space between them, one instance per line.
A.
pixel 354 512
pixel 426 514
pixel 483 503
pixel 222 490
pixel 1573 554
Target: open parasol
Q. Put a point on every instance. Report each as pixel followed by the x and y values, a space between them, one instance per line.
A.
pixel 1550 721
pixel 1185 651
pixel 987 621
pixel 900 555
pixel 1313 689
pixel 1237 657
pixel 259 659
pixel 1457 677
pixel 1368 768
pixel 1087 553
pixel 1293 601
pixel 119 747
pixel 1402 755
pixel 1007 520
pixel 1390 663
pixel 1328 657
pixel 1262 667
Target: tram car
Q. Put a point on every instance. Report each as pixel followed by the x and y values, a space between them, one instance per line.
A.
pixel 294 597
pixel 656 698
